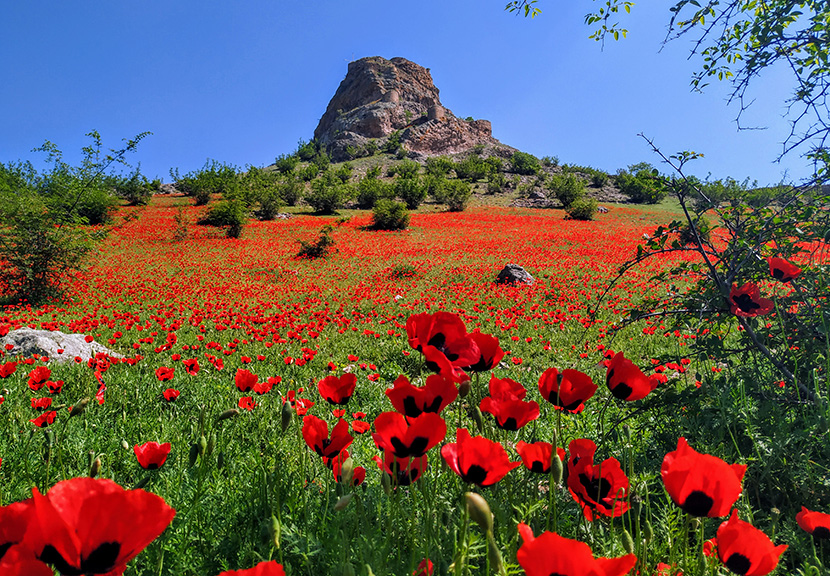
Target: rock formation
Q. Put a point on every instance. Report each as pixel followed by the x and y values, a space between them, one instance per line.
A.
pixel 379 98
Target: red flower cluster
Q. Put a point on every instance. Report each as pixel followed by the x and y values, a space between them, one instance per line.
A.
pixel 567 391
pixel 412 401
pixel 477 459
pixel 506 404
pixel 602 488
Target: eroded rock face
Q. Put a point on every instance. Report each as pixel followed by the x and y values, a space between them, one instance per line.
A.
pixel 379 97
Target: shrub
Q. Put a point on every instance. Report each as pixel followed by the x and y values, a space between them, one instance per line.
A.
pixel 566 187
pixel 457 194
pixel 307 150
pixel 478 149
pixel 136 189
pixel 393 143
pixel 582 208
pixel 371 148
pixel 494 165
pixel 308 173
pixel 322 161
pixel 411 191
pixel 286 163
pixel 370 190
pixel 599 179
pixel 326 198
pixel 438 165
pixel 496 183
pixel 435 186
pixel 212 178
pixel 642 187
pixel 373 172
pixel 403 271
pixel 228 214
pixel 471 168
pixel 405 169
pixel 344 172
pixel 524 163
pixel 390 215
pixel 550 161
pixel 320 248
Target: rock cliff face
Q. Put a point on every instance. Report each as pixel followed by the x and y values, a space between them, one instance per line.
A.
pixel 380 97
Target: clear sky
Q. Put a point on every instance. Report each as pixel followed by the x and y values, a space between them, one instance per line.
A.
pixel 242 81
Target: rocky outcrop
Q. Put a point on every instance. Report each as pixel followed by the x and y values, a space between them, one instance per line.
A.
pixel 514 274
pixel 57 346
pixel 380 98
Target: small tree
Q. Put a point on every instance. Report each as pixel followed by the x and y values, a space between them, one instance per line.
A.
pixel 567 188
pixel 642 184
pixel 390 215
pixel 524 163
pixel 411 191
pixel 583 208
pixel 457 194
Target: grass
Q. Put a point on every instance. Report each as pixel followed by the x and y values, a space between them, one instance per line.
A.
pixel 252 304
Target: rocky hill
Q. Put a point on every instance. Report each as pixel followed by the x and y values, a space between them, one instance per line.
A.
pixel 396 98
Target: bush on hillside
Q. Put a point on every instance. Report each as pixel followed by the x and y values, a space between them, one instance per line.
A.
pixel 472 169
pixel 228 214
pixel 411 191
pixel 524 163
pixel 642 187
pixel 286 163
pixel 438 165
pixel 457 194
pixel 566 187
pixel 370 190
pixel 390 215
pixel 583 208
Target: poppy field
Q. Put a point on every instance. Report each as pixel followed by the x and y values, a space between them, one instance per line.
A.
pixel 391 410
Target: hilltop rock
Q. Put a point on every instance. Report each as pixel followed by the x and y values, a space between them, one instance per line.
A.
pixel 379 97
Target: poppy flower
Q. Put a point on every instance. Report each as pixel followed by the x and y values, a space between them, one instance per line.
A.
pixel 93 526
pixel 316 436
pixel 744 549
pixel 191 366
pixel 13 521
pixel 171 394
pixel 54 387
pixel 815 523
pixel 599 488
pixel 702 485
pixel 44 419
pixel 266 386
pixel 163 373
pixel 360 427
pixel 626 381
pixel 41 404
pixel 424 568
pixel 506 389
pixel 336 390
pixel 434 329
pixel 568 390
pixel 358 472
pixel 246 403
pixel 490 353
pixel 746 301
pixel 782 270
pixel 271 568
pixel 537 457
pixel 38 377
pixel 436 361
pixel 20 561
pixel 412 401
pixel 477 459
pixel 151 455
pixel 402 471
pixel 510 414
pixel 572 557
pixel 406 437
pixel 7 369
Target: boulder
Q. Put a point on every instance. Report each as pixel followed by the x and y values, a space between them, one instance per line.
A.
pixel 514 274
pixel 27 342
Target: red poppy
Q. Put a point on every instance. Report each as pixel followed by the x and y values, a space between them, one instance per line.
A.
pixel 93 526
pixel 744 549
pixel 38 377
pixel 510 414
pixel 477 459
pixel 538 457
pixel 506 389
pixel 358 472
pixel 815 523
pixel 599 488
pixel 13 521
pixel 20 561
pixel 163 373
pixel 572 557
pixel 151 455
pixel 336 390
pixel 7 369
pixel 626 381
pixel 245 380
pixel 406 437
pixel 746 301
pixel 44 419
pixel 436 361
pixel 663 569
pixel 412 401
pixel 54 387
pixel 442 338
pixel 490 353
pixel 191 366
pixel 171 394
pixel 568 390
pixel 41 404
pixel 402 471
pixel 782 270
pixel 424 568
pixel 316 436
pixel 360 427
pixel 246 403
pixel 702 485
pixel 271 568
pixel 266 386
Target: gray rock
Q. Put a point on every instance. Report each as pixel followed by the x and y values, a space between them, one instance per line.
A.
pixel 47 343
pixel 602 209
pixel 537 195
pixel 514 274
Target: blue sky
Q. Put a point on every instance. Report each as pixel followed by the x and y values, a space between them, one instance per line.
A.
pixel 241 82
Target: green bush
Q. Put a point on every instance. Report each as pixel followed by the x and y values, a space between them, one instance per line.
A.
pixel 370 190
pixel 390 215
pixel 457 194
pixel 496 183
pixel 371 148
pixel 326 198
pixel 582 208
pixel 438 165
pixel 550 161
pixel 320 248
pixel 136 189
pixel 286 163
pixel 228 214
pixel 435 186
pixel 472 168
pixel 642 187
pixel 344 172
pixel 322 161
pixel 393 143
pixel 405 169
pixel 373 172
pixel 411 191
pixel 566 187
pixel 306 151
pixel 524 163
pixel 308 173
pixel 494 165
pixel 290 190
pixel 212 178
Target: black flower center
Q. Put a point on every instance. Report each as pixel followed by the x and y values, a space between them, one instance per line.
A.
pixel 738 563
pixel 410 408
pixel 435 405
pixel 100 561
pixel 745 303
pixel 778 274
pixel 509 424
pixel 622 391
pixel 4 547
pixel 821 532
pixel 416 448
pixel 597 489
pixel 475 474
pixel 539 467
pixel 698 503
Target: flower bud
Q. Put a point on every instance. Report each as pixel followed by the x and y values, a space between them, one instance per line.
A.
pixel 627 542
pixel 211 444
pixel 220 460
pixel 494 554
pixel 142 483
pixel 275 531
pixel 648 532
pixel 227 414
pixel 348 569
pixel 343 502
pixel 79 408
pixel 193 455
pixel 386 484
pixel 557 468
pixel 347 471
pixel 95 468
pixel 464 388
pixel 286 415
pixel 479 511
pixel 125 445
pixel 478 419
pixel 202 445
